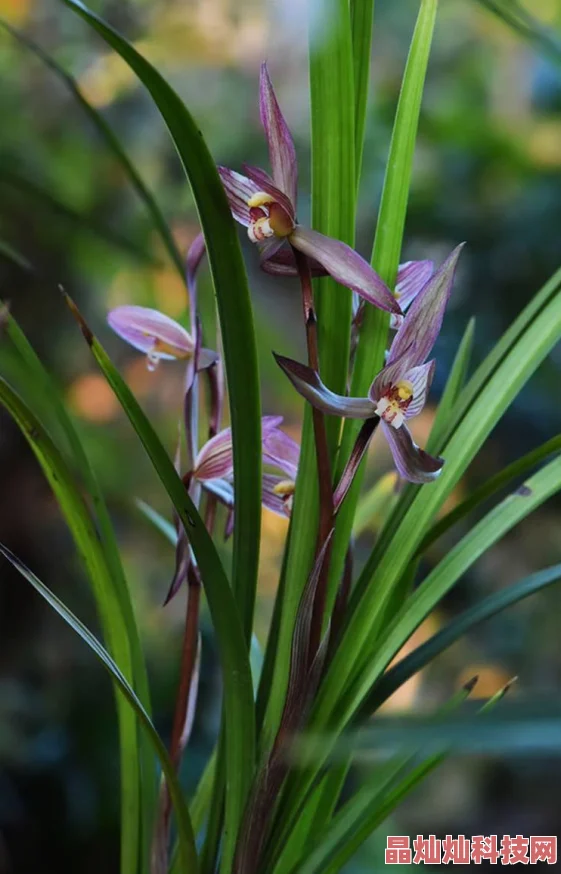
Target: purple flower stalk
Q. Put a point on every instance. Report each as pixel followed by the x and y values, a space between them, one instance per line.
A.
pixel 214 466
pixel 399 391
pixel 158 336
pixel 266 206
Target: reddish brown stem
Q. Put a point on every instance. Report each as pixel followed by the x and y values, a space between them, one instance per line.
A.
pixel 322 451
pixel 188 660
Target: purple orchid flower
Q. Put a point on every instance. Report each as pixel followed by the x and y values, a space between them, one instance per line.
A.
pixel 400 390
pixel 214 466
pixel 157 335
pixel 266 206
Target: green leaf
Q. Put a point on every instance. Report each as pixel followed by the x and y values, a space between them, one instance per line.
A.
pixel 367 808
pixel 112 142
pixel 234 309
pixel 39 379
pixel 385 260
pixel 236 671
pixel 454 384
pixel 333 213
pixel 362 18
pixel 463 624
pixel 186 837
pixel 399 541
pixel 458 560
pixel 514 471
pixel 109 606
pixel 340 698
pixel 157 521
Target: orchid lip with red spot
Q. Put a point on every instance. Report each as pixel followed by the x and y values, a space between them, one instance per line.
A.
pixel 214 466
pixel 399 391
pixel 266 206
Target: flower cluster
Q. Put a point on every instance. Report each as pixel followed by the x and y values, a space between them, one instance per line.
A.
pixel 266 205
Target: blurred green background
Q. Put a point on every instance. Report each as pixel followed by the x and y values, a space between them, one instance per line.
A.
pixel 487 171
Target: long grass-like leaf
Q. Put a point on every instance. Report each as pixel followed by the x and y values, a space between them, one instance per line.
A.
pixel 528 26
pixel 108 604
pixel 111 140
pixel 501 480
pixel 333 213
pixel 185 832
pixel 7 251
pixel 454 385
pixel 51 400
pixel 462 624
pixel 385 260
pixel 234 308
pixel 238 688
pixel 362 17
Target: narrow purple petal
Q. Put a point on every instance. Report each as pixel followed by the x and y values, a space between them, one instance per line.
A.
pixel 282 263
pixel 215 460
pixel 239 189
pixel 412 463
pixel 282 153
pixel 281 451
pixel 422 324
pixel 151 331
pixel 266 184
pixel 412 276
pixel 359 449
pixel 307 383
pixel 270 499
pixel 421 379
pixel 346 266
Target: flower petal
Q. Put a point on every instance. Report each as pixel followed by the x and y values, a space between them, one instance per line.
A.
pixel 421 380
pixel 215 460
pixel 281 451
pixel 206 358
pixel 412 276
pixel 268 248
pixel 346 266
pixel 151 331
pixel 266 184
pixel 239 189
pixel 361 445
pixel 307 383
pixel 222 489
pixel 413 464
pixel 269 497
pixel 422 324
pixel 282 153
pixel 282 263
pixel 390 376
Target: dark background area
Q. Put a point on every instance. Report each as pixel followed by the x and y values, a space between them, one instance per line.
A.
pixel 487 171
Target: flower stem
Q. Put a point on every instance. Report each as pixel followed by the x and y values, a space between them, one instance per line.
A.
pixel 322 452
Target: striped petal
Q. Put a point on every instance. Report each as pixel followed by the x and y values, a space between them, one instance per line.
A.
pixel 151 332
pixel 412 276
pixel 421 379
pixel 423 322
pixel 282 154
pixel 270 498
pixel 412 463
pixel 307 383
pixel 239 189
pixel 216 459
pixel 345 266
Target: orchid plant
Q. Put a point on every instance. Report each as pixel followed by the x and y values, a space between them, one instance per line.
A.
pixel 324 664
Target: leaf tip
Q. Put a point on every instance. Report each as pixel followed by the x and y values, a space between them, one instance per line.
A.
pixel 88 335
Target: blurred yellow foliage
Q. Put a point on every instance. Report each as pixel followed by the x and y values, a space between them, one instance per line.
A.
pixel 15 11
pixel 544 143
